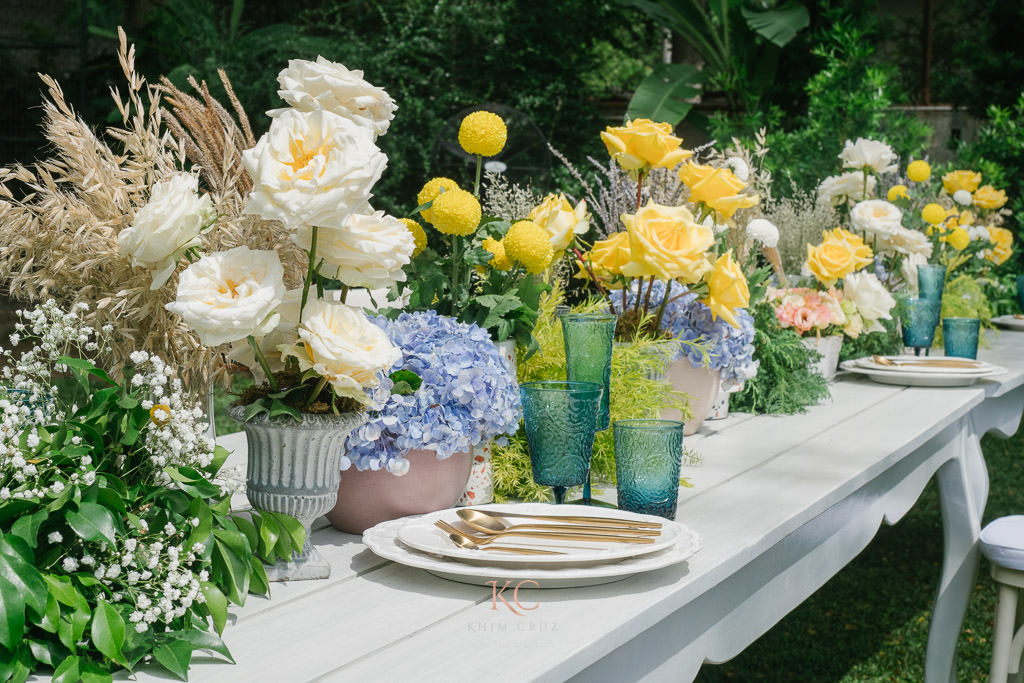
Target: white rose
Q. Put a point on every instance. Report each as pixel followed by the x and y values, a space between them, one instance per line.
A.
pixel 562 222
pixel 324 84
pixel 904 241
pixel 229 295
pixel 872 300
pixel 909 268
pixel 285 332
pixel 167 226
pixel 876 217
pixel 849 185
pixel 340 344
pixel 963 197
pixel 763 231
pixel 872 154
pixel 369 250
pixel 312 168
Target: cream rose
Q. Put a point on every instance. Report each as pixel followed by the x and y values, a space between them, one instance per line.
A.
pixel 876 217
pixel 167 226
pixel 369 250
pixel 905 241
pixel 312 168
pixel 286 332
pixel 229 295
pixel 340 344
pixel 870 297
pixel 328 85
pixel 561 220
pixel 848 185
pixel 872 154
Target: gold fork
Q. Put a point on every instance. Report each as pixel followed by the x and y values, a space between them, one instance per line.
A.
pixel 554 536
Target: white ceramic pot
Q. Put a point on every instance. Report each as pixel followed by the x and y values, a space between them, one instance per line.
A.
pixel 720 408
pixel 700 383
pixel 829 348
pixel 293 468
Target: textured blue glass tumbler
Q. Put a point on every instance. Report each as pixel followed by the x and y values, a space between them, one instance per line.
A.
pixel 648 455
pixel 960 336
pixel 1020 292
pixel 918 318
pixel 560 420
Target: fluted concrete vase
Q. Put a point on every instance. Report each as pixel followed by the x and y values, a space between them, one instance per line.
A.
pixel 294 469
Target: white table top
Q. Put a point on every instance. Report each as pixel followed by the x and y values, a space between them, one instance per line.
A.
pixel 762 479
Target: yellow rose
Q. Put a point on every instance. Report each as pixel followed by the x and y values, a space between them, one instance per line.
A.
pixel 497 249
pixel 958 238
pixel 919 171
pixel 988 197
pixel 961 180
pixel 1002 245
pixel 897 192
pixel 727 289
pixel 839 254
pixel 563 222
pixel 607 256
pixel 666 241
pixel 717 188
pixel 933 213
pixel 643 143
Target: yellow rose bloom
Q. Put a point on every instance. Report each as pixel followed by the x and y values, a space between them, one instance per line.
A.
pixel 455 212
pixel 431 190
pixel 958 238
pixel 667 242
pixel 500 260
pixel 608 256
pixel 643 143
pixel 727 290
pixel 562 221
pixel 933 213
pixel 919 171
pixel 527 243
pixel 418 236
pixel 961 180
pixel 839 254
pixel 897 192
pixel 716 188
pixel 483 133
pixel 988 197
pixel 1002 245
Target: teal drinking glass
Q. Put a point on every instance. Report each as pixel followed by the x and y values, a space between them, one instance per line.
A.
pixel 588 353
pixel 1020 292
pixel 648 455
pixel 931 278
pixel 917 318
pixel 560 420
pixel 960 336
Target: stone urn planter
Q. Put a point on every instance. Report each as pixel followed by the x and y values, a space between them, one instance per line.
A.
pixel 829 348
pixel 293 468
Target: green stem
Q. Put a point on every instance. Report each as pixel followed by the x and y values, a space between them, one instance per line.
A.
pixel 344 293
pixel 262 360
pixel 456 255
pixel 309 272
pixel 476 183
pixel 316 392
pixel 864 192
pixel 661 308
pixel 639 188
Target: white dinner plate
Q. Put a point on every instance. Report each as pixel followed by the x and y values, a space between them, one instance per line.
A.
pixel 920 378
pixel 383 540
pixel 1010 322
pixel 421 534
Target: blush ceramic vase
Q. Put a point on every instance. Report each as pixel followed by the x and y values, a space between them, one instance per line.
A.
pixel 700 383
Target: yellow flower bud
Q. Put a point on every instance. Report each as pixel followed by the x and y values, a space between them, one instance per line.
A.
pixel 933 213
pixel 455 212
pixel 418 236
pixel 957 238
pixel 500 260
pixel 608 256
pixel 919 171
pixel 897 192
pixel 431 190
pixel 483 133
pixel 528 244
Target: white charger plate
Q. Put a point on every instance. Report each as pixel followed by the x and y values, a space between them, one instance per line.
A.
pixel 383 540
pixel 919 378
pixel 1010 322
pixel 421 534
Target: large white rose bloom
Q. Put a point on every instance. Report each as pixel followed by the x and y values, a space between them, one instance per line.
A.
pixel 904 241
pixel 876 217
pixel 872 154
pixel 908 269
pixel 328 85
pixel 167 226
pixel 849 185
pixel 340 344
pixel 369 250
pixel 285 332
pixel 763 231
pixel 229 295
pixel 312 168
pixel 870 297
pixel 561 220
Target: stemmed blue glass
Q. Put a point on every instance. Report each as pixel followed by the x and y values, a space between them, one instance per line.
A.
pixel 917 318
pixel 1020 292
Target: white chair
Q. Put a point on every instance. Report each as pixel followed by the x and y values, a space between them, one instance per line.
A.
pixel 1002 542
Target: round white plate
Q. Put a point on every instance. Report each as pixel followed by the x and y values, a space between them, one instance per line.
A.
pixel 383 540
pixel 914 364
pixel 909 378
pixel 1010 322
pixel 421 534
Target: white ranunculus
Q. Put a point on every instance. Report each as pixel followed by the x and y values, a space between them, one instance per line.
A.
pixel 872 154
pixel 979 232
pixel 763 231
pixel 340 344
pixel 285 332
pixel 561 220
pixel 876 217
pixel 908 268
pixel 312 168
pixel 738 167
pixel 369 250
pixel 167 226
pixel 328 85
pixel 229 295
pixel 963 197
pixel 848 185
pixel 872 300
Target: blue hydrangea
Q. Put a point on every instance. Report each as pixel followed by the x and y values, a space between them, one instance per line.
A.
pixel 688 319
pixel 468 394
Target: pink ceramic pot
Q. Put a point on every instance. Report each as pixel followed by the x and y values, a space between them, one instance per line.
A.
pixel 368 498
pixel 700 383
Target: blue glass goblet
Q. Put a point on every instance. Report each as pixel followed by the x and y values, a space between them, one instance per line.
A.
pixel 960 336
pixel 931 279
pixel 560 420
pixel 648 455
pixel 918 319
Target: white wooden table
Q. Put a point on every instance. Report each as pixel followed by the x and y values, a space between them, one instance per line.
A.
pixel 783 503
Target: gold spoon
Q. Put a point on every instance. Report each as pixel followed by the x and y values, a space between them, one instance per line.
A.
pixel 597 521
pixel 466 542
pixel 939 362
pixel 493 525
pixel 596 538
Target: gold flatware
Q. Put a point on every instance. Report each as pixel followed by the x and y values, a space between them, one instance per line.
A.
pixel 553 536
pixel 466 542
pixel 572 519
pixel 936 362
pixel 492 525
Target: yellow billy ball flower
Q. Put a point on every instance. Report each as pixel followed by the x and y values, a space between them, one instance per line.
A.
pixel 483 133
pixel 431 190
pixel 528 244
pixel 500 260
pixel 933 213
pixel 958 238
pixel 455 212
pixel 418 236
pixel 919 171
pixel 897 192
